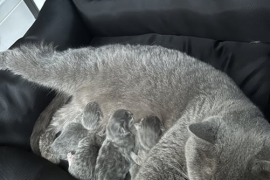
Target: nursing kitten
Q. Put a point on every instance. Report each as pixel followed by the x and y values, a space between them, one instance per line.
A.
pixel 114 162
pixel 212 130
pixel 149 131
pixel 74 132
pixel 82 163
pixel 82 160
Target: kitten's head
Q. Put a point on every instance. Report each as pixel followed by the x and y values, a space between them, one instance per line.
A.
pixel 149 131
pixel 92 116
pixel 218 151
pixel 120 124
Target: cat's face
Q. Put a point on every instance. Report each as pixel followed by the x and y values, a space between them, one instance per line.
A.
pixel 218 152
pixel 120 124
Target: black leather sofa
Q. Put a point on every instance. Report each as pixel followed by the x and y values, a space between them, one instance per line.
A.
pixel 232 36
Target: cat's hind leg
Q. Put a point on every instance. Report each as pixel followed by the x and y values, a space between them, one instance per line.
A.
pixel 44 120
pixel 67 114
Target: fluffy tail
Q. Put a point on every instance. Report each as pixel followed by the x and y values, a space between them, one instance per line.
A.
pixel 42 64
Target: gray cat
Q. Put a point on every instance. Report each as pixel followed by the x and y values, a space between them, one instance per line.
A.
pixel 149 131
pixel 114 161
pixel 212 130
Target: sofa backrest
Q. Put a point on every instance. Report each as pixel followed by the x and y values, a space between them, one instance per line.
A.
pixel 228 20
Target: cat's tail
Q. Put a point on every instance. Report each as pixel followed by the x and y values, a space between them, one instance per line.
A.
pixel 65 71
pixel 45 118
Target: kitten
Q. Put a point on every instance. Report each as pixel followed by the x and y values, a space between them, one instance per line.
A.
pixel 74 132
pixel 82 159
pixel 82 163
pixel 114 160
pixel 149 131
pixel 213 131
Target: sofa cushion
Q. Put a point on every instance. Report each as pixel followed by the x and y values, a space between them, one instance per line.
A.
pixel 17 164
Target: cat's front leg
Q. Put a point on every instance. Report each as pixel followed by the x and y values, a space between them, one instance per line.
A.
pixel 165 160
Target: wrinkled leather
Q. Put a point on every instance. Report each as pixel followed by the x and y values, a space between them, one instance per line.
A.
pixel 230 20
pixel 17 164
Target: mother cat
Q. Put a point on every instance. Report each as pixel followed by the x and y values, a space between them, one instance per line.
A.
pixel 213 131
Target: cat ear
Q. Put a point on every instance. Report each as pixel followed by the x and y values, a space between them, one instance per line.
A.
pixel 206 130
pixel 261 169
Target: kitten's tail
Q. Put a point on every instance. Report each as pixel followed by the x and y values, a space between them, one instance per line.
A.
pixel 45 118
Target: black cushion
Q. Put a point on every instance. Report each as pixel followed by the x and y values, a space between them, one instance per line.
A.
pixel 230 20
pixel 17 164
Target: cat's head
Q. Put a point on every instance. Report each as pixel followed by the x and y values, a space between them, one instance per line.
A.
pixel 120 124
pixel 218 151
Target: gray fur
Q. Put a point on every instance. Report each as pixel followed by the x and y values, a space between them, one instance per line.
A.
pixel 177 88
pixel 149 131
pixel 74 132
pixel 68 140
pixel 82 163
pixel 44 119
pixel 114 160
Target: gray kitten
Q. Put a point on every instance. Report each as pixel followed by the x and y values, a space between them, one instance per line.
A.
pixel 114 162
pixel 74 132
pixel 213 131
pixel 149 131
pixel 82 160
pixel 82 163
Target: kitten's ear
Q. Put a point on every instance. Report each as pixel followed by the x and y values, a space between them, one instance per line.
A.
pixel 205 131
pixel 261 169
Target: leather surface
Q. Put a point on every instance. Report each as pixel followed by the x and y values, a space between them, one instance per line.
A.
pixel 231 20
pixel 17 164
pixel 21 102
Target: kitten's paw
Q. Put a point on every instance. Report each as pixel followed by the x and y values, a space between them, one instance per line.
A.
pixel 69 158
pixel 136 158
